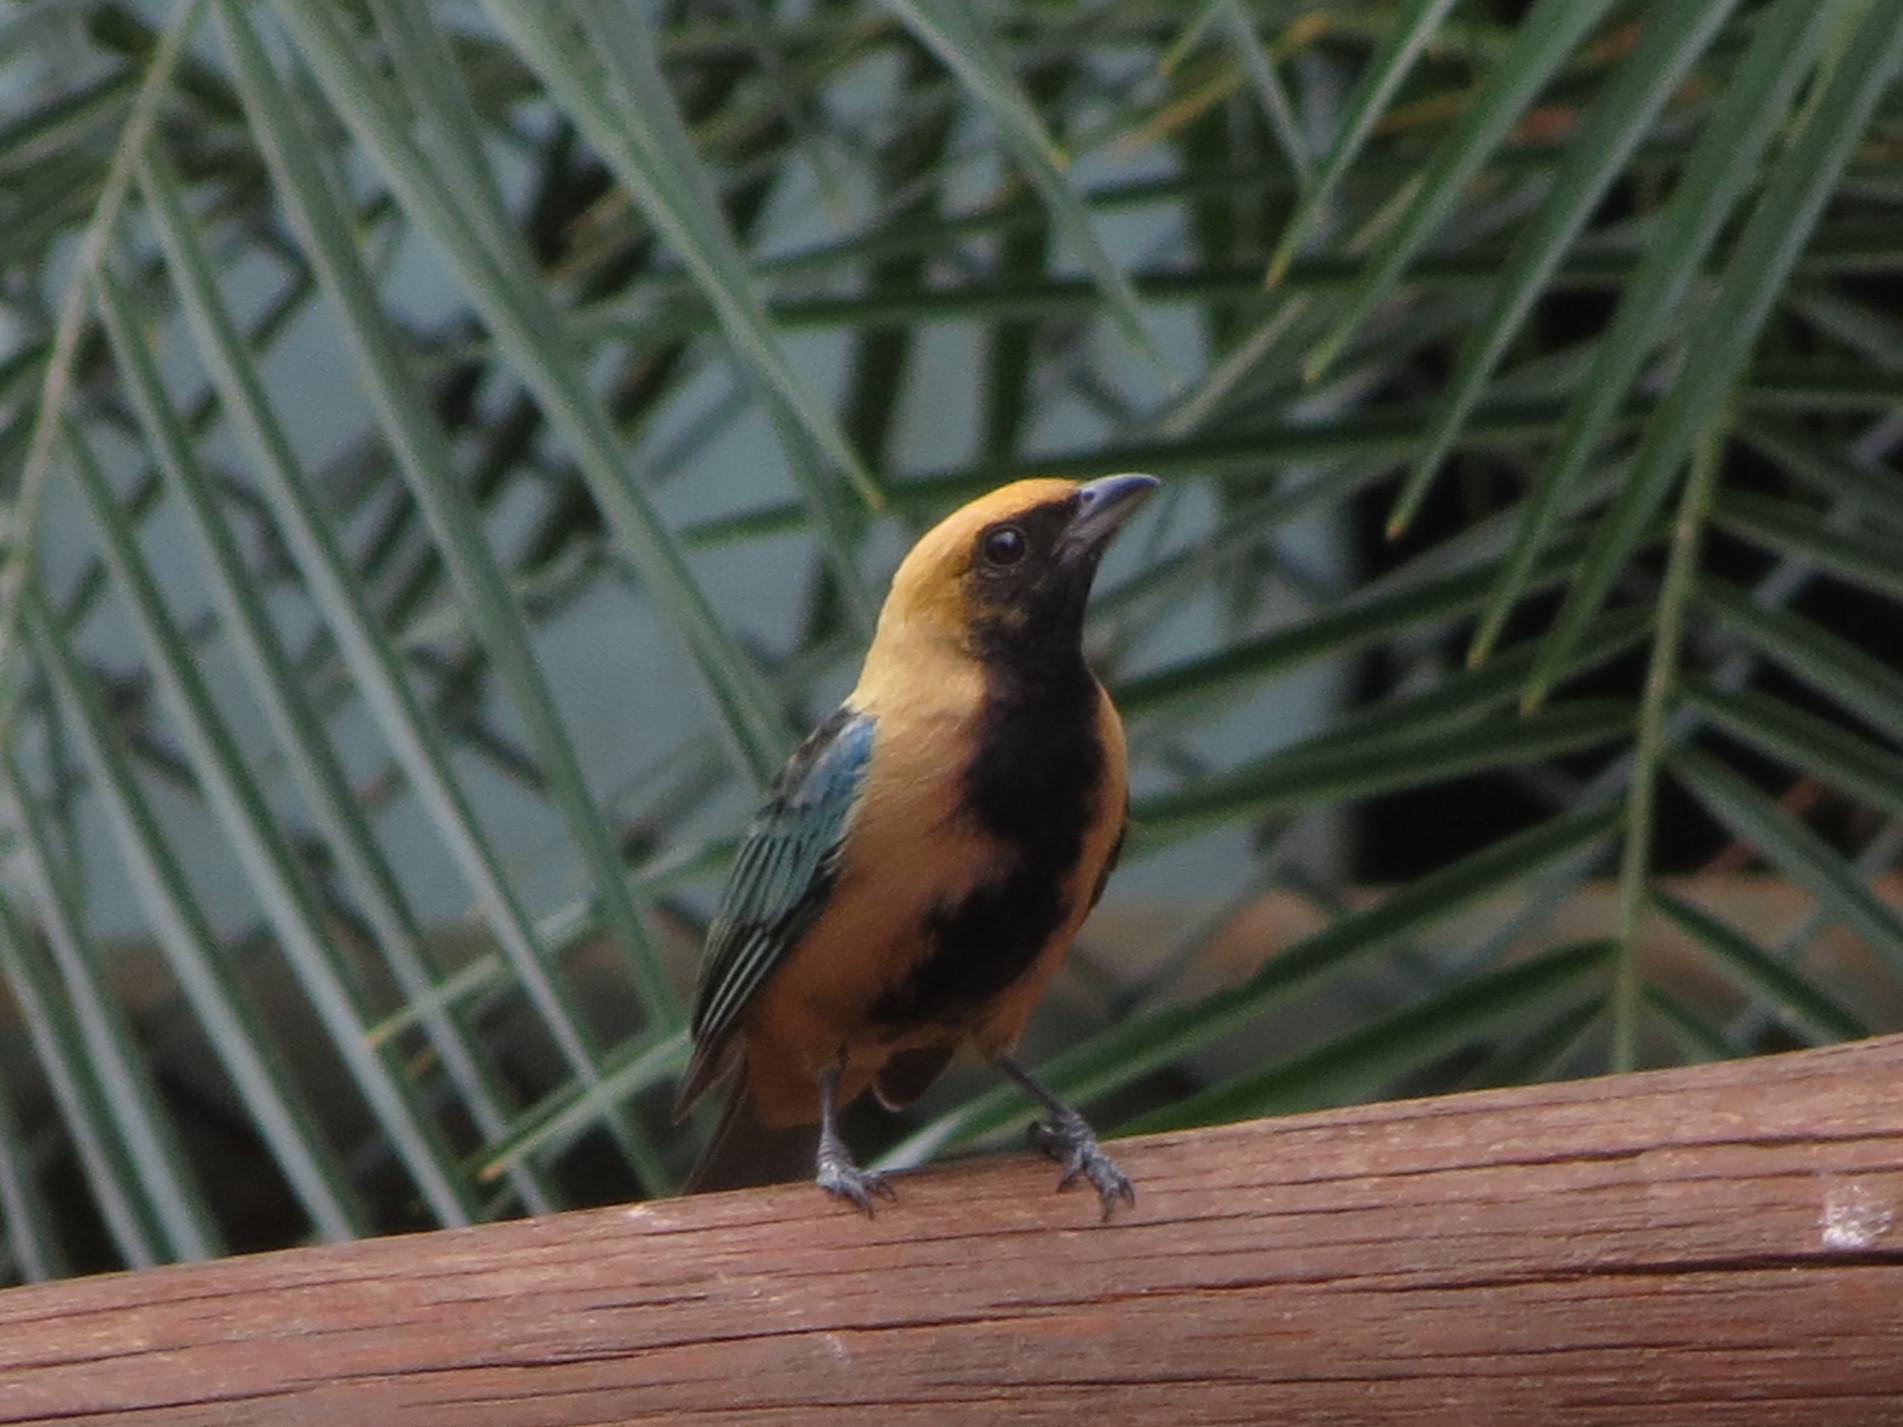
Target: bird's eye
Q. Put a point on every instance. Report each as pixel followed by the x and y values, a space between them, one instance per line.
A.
pixel 1004 545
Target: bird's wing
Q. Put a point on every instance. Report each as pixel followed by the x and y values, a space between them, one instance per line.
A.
pixel 783 871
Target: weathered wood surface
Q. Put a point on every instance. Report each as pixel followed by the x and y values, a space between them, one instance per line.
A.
pixel 1714 1245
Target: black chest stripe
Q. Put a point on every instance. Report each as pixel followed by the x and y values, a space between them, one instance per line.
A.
pixel 1035 785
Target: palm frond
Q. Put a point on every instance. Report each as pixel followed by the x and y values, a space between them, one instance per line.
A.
pixel 452 451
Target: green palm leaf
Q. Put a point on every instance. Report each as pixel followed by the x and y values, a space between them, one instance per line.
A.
pixel 451 451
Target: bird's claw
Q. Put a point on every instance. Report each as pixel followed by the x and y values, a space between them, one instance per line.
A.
pixel 1072 1143
pixel 843 1179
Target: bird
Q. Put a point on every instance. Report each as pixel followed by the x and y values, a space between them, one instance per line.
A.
pixel 917 870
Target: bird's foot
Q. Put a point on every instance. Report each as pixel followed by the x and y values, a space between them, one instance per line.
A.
pixel 843 1179
pixel 1068 1140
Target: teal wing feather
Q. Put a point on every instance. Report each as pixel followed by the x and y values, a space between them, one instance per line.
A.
pixel 781 878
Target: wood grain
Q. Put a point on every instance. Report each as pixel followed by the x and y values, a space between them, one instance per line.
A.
pixel 1712 1245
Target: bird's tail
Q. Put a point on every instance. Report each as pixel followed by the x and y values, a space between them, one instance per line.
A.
pixel 745 1153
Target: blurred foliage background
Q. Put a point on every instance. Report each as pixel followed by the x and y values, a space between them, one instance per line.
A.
pixel 452 450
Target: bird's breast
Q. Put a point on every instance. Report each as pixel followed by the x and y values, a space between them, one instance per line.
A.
pixel 983 826
pixel 1021 814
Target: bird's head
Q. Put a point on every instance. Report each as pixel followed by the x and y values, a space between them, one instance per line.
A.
pixel 1007 576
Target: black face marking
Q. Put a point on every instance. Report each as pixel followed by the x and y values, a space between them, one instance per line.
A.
pixel 1026 587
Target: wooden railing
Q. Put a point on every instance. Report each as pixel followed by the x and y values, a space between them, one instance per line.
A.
pixel 1722 1244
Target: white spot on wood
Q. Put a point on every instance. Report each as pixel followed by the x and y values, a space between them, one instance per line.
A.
pixel 1853 1217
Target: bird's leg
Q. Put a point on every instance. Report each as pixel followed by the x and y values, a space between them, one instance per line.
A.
pixel 1068 1140
pixel 837 1174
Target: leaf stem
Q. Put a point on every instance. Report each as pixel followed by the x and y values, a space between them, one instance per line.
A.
pixel 1694 509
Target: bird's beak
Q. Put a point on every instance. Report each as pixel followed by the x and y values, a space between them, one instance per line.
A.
pixel 1102 507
